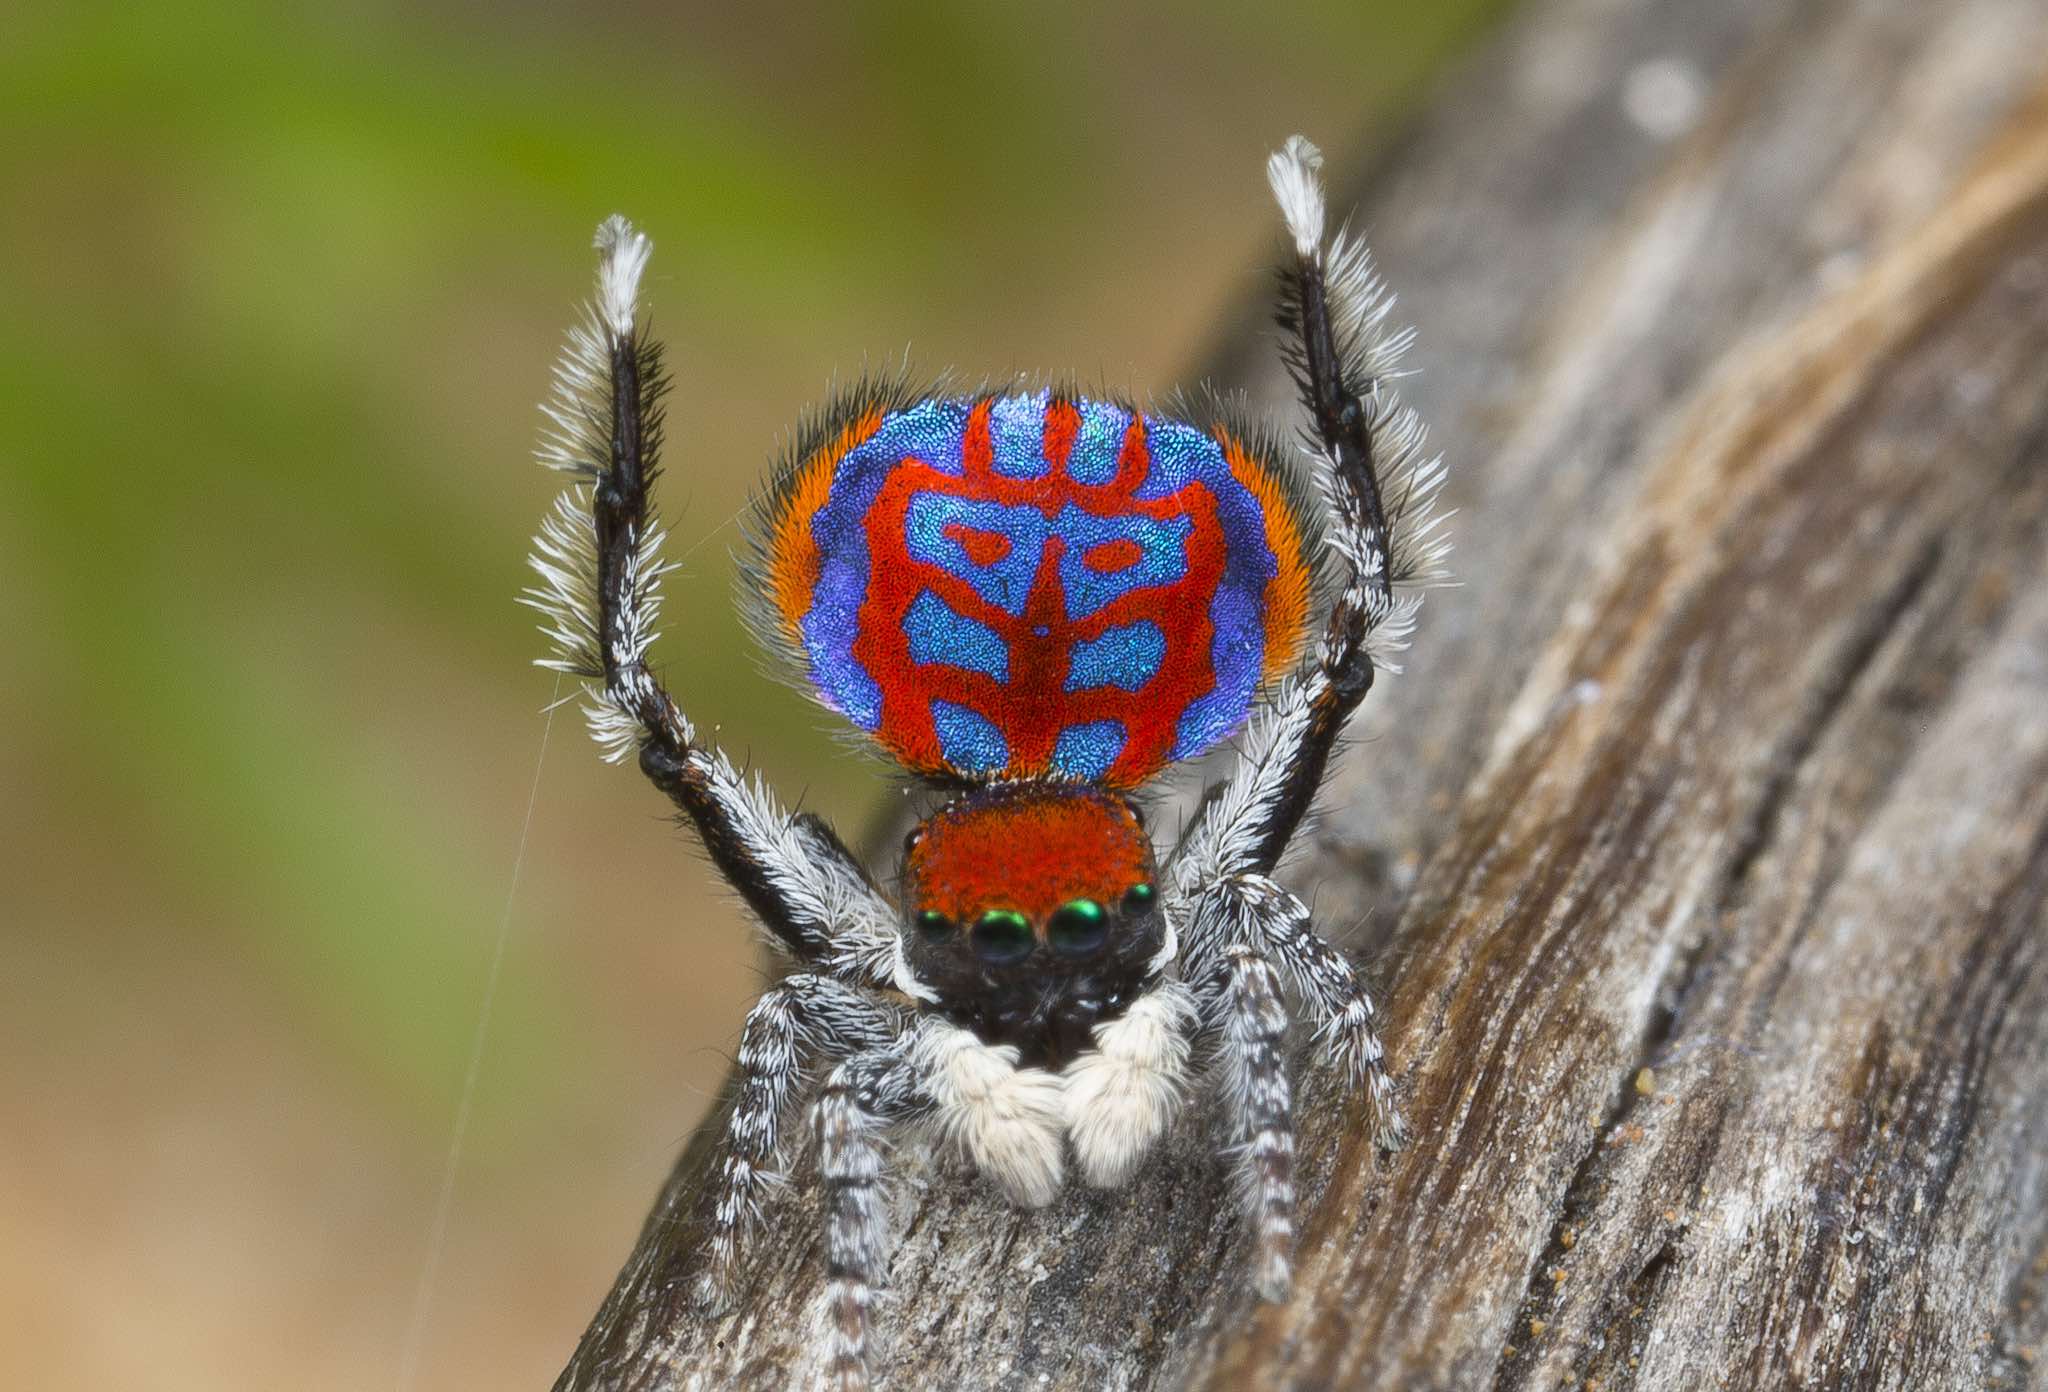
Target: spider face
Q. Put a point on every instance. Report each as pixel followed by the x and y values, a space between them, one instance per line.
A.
pixel 1033 911
pixel 1039 602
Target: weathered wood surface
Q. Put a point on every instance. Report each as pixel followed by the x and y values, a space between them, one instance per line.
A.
pixel 1702 853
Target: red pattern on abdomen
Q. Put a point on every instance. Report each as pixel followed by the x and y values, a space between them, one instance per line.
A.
pixel 1032 707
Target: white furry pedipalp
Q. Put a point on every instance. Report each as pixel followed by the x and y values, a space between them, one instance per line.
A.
pixel 1124 1093
pixel 1010 1121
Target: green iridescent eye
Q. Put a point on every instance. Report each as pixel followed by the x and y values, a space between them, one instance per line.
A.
pixel 1077 928
pixel 934 927
pixel 1002 936
pixel 1137 899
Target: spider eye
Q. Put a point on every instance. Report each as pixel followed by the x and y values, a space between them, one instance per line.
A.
pixel 1137 899
pixel 1002 935
pixel 1077 928
pixel 934 927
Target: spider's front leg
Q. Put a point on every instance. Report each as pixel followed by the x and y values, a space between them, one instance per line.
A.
pixel 801 1017
pixel 598 557
pixel 1370 466
pixel 864 1096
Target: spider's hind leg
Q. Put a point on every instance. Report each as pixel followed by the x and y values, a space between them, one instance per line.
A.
pixel 1256 910
pixel 1250 1019
pixel 864 1096
pixel 802 1016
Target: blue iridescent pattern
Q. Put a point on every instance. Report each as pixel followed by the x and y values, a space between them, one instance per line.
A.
pixel 1016 428
pixel 1236 655
pixel 970 742
pixel 1181 454
pixel 1087 751
pixel 935 520
pixel 929 431
pixel 1099 443
pixel 1163 556
pixel 1132 557
pixel 1127 656
pixel 938 635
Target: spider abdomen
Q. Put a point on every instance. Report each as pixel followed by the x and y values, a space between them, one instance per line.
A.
pixel 1034 586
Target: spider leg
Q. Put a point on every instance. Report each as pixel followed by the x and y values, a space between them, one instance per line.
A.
pixel 1252 910
pixel 800 1017
pixel 598 557
pixel 862 1098
pixel 1250 1018
pixel 1381 491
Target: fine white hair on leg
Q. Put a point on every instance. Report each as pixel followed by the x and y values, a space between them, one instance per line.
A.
pixel 1121 1095
pixel 801 1016
pixel 1255 911
pixel 1380 485
pixel 599 567
pixel 1369 347
pixel 1225 838
pixel 1294 173
pixel 853 927
pixel 1169 941
pixel 1010 1121
pixel 1380 488
pixel 584 413
pixel 862 1096
pixel 624 254
pixel 1251 1018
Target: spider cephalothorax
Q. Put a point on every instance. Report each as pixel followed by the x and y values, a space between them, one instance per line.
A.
pixel 1036 602
pixel 1033 913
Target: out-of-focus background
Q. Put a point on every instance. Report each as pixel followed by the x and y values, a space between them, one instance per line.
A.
pixel 279 288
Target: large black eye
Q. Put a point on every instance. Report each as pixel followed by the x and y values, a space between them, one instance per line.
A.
pixel 1137 900
pixel 934 927
pixel 1077 928
pixel 1002 935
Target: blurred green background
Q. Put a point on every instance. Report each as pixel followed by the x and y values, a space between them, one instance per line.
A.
pixel 279 289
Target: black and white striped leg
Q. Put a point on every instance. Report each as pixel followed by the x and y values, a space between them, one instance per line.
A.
pixel 1265 914
pixel 1381 488
pixel 1251 1020
pixel 598 557
pixel 861 1099
pixel 802 1017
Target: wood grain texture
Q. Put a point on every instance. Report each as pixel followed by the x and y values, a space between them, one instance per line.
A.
pixel 1702 852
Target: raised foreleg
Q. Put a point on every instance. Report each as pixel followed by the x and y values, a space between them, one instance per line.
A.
pixel 599 560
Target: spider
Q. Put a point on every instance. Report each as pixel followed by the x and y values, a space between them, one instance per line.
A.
pixel 1035 602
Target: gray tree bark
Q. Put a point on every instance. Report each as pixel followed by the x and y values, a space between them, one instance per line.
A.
pixel 1702 851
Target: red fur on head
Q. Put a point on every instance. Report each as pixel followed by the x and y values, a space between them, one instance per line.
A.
pixel 1028 849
